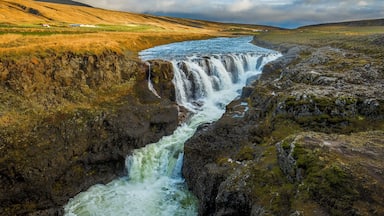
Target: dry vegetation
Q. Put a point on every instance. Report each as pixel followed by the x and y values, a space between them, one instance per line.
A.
pixel 22 32
pixel 23 38
pixel 21 29
pixel 27 50
pixel 359 38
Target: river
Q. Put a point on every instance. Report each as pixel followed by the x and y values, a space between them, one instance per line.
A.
pixel 208 74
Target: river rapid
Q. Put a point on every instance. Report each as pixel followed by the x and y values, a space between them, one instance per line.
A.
pixel 208 74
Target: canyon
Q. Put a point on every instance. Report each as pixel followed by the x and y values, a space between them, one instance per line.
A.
pixel 310 141
pixel 304 137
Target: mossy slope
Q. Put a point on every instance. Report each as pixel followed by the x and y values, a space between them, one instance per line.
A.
pixel 310 142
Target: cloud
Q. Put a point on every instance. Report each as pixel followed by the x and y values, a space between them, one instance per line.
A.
pixel 276 12
pixel 240 5
pixel 362 3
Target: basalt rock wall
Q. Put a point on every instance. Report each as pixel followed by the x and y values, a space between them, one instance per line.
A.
pixel 69 120
pixel 305 139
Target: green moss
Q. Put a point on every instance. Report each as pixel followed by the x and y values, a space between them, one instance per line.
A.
pixel 284 127
pixel 327 183
pixel 291 101
pixel 350 100
pixel 305 54
pixel 222 161
pixel 323 102
pixel 312 118
pixel 246 153
pixel 271 190
pixel 334 189
pixel 282 205
pixel 188 200
pixel 307 159
pixel 286 145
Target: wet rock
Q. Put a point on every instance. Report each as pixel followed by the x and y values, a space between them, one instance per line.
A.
pixel 161 77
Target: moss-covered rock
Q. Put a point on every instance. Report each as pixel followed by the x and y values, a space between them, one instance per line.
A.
pixel 68 122
pixel 308 144
pixel 327 174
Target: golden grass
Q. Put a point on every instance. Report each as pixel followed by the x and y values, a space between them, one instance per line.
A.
pixel 16 45
pixel 11 12
pixel 21 32
pixel 9 39
pixel 58 14
pixel 22 36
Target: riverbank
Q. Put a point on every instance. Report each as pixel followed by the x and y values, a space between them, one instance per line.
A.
pixel 204 84
pixel 311 140
pixel 73 90
pixel 74 96
pixel 69 121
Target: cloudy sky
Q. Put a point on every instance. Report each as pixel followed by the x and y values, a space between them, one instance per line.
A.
pixel 283 13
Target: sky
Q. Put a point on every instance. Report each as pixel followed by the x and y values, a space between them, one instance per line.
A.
pixel 281 13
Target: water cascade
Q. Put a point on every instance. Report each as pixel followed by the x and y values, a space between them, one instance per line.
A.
pixel 150 85
pixel 208 75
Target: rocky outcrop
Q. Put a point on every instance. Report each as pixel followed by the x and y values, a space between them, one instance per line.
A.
pixel 161 78
pixel 58 78
pixel 77 116
pixel 340 172
pixel 305 139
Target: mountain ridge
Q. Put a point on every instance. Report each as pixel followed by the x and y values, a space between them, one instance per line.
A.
pixel 354 23
pixel 67 2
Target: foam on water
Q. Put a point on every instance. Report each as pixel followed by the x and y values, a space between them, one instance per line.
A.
pixel 208 75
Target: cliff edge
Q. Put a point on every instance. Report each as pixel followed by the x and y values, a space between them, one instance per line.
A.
pixel 304 139
pixel 67 122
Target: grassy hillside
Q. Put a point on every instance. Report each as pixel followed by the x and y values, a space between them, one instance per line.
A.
pixel 371 22
pixel 366 39
pixel 24 41
pixel 22 30
pixel 68 2
pixel 69 92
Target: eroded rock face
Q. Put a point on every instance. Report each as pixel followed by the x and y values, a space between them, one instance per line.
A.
pixel 52 157
pixel 59 77
pixel 343 173
pixel 321 99
pixel 161 77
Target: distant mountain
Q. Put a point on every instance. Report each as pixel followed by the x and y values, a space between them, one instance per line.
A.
pixel 67 2
pixel 372 22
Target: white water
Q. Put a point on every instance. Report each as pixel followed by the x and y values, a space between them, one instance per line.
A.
pixel 150 85
pixel 205 83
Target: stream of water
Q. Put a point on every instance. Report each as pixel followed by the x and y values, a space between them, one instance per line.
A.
pixel 208 74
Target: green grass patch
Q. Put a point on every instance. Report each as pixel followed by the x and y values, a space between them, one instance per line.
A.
pixel 126 28
pixel 39 30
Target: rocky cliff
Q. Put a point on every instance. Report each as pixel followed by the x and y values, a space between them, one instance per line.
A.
pixel 305 139
pixel 67 121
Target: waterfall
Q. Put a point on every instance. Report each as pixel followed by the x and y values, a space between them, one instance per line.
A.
pixel 204 84
pixel 197 79
pixel 150 85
